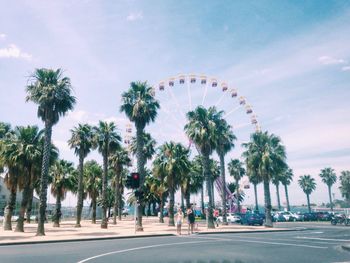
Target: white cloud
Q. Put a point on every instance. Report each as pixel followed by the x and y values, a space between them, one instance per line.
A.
pixel 134 16
pixel 327 60
pixel 2 36
pixel 12 51
pixel 346 68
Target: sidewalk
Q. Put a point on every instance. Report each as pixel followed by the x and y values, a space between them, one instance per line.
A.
pixel 123 229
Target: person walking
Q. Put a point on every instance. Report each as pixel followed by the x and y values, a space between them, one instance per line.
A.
pixel 179 219
pixel 190 219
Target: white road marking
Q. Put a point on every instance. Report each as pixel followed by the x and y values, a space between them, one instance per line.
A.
pixel 316 232
pixel 139 248
pixel 325 239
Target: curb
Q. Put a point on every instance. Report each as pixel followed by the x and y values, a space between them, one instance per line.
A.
pixel 346 247
pixel 141 236
pixel 79 240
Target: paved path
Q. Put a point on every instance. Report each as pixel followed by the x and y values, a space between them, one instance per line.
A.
pixel 124 228
pixel 319 244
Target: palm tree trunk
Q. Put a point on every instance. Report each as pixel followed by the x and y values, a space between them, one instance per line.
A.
pixel 116 196
pixel 104 222
pixel 267 196
pixel 287 197
pixel 202 200
pixel 330 197
pixel 256 197
pixel 11 203
pixel 212 192
pixel 30 203
pixel 93 210
pixel 187 199
pixel 237 197
pixel 120 204
pixel 223 193
pixel 80 190
pixel 43 179
pixel 161 209
pixel 24 202
pixel 141 169
pixel 210 219
pixel 278 196
pixel 171 205
pixel 57 217
pixel 182 199
pixel 308 202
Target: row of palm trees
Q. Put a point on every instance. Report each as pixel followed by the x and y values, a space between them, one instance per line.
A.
pixel 172 169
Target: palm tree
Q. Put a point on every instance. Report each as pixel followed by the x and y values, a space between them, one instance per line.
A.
pixel 62 180
pixel 81 141
pixel 265 154
pixel 202 130
pixel 149 145
pixel 276 179
pixel 286 179
pixel 9 160
pixel 28 154
pixel 307 184
pixel 107 141
pixel 175 164
pixel 236 170
pixel 224 145
pixel 93 184
pixel 255 179
pixel 140 106
pixel 118 161
pixel 52 92
pixel 345 185
pixel 161 187
pixel 329 178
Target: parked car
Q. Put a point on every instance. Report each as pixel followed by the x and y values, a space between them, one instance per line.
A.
pixel 299 216
pixel 310 216
pixel 125 211
pixel 278 217
pixel 324 216
pixel 252 219
pixel 231 218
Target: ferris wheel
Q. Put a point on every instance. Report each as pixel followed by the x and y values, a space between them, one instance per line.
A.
pixel 182 93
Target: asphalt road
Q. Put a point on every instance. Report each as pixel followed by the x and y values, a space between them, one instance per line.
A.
pixel 319 243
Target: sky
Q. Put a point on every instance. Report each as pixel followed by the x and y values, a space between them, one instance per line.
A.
pixel 289 59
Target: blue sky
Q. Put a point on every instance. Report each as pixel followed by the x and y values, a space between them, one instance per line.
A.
pixel 290 59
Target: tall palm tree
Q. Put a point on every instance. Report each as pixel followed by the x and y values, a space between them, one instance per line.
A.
pixel 265 154
pixel 149 145
pixel 286 179
pixel 202 130
pixel 237 171
pixel 307 184
pixel 345 185
pixel 93 184
pixel 276 179
pixel 159 172
pixel 255 179
pixel 118 160
pixel 62 180
pixel 82 142
pixel 9 160
pixel 329 178
pixel 107 141
pixel 28 153
pixel 52 92
pixel 175 163
pixel 224 145
pixel 140 106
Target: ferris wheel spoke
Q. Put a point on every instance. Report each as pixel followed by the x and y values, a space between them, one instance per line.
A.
pixel 220 99
pixel 189 95
pixel 205 93
pixel 176 102
pixel 231 111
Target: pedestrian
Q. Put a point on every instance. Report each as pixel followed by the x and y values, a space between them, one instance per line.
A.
pixel 179 219
pixel 216 215
pixel 190 219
